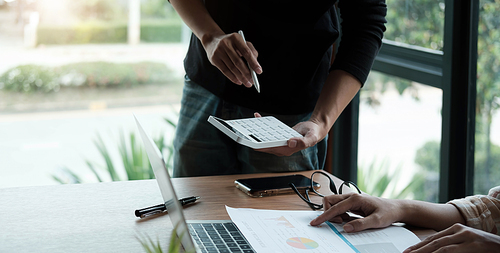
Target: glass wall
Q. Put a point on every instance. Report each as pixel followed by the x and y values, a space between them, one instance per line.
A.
pixel 487 154
pixel 400 120
pixel 399 138
pixel 72 74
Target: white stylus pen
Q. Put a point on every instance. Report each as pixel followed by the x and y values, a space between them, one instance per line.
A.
pixel 254 75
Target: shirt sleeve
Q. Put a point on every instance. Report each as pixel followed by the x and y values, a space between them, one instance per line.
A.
pixel 481 212
pixel 363 26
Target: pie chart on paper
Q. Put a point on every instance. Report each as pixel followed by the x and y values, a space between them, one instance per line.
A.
pixel 302 243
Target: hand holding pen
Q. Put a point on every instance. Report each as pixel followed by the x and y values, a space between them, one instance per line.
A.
pixel 252 72
pixel 228 53
pixel 148 211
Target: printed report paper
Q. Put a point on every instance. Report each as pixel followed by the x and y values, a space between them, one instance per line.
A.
pixel 289 231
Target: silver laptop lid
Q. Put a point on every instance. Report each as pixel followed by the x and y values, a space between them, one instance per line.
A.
pixel 167 190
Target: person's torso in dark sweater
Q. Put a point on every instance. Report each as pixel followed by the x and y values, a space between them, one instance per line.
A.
pixel 294 42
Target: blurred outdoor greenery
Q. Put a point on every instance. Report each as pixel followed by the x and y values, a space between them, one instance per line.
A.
pixel 35 78
pixel 487 169
pixel 105 21
pixel 158 30
pixel 134 160
pixel 421 23
pixel 416 22
pixel 29 78
pixel 413 22
pixel 118 10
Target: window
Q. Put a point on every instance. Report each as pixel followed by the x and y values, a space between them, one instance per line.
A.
pixel 70 82
pixel 487 154
pixel 416 22
pixel 451 68
pixel 399 137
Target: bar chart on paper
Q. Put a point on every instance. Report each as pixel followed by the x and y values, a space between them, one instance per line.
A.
pixel 281 221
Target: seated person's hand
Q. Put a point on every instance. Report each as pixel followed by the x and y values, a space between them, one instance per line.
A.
pixel 376 212
pixel 458 238
pixel 311 132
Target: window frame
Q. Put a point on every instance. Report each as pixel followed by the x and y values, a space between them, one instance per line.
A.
pixel 452 71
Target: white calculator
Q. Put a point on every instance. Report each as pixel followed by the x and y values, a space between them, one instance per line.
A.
pixel 263 132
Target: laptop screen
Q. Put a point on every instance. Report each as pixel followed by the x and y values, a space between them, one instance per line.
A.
pixel 174 208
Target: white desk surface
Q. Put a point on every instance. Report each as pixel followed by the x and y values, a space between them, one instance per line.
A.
pixel 79 218
pixel 100 217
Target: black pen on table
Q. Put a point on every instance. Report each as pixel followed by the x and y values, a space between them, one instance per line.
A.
pixel 162 208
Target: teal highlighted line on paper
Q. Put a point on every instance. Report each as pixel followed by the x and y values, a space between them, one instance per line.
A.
pixel 342 236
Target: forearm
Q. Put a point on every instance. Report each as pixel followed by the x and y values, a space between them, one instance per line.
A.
pixel 428 215
pixel 363 26
pixel 338 90
pixel 197 18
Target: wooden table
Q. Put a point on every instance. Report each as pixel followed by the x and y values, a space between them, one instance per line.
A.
pixel 100 217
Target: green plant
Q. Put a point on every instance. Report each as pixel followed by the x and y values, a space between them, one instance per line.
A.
pixel 134 160
pixel 163 30
pixel 427 158
pixel 34 78
pixel 97 9
pixel 166 30
pixel 29 78
pixel 151 247
pixel 173 247
pixel 83 33
pixel 109 75
pixel 376 180
pixel 416 22
pixel 156 9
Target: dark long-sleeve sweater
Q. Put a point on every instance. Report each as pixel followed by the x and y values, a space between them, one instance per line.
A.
pixel 294 40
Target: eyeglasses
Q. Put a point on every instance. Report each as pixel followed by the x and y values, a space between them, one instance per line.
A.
pixel 333 188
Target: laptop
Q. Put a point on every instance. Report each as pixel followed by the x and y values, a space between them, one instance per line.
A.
pixel 204 236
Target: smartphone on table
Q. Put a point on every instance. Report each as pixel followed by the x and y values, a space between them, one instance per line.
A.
pixel 268 186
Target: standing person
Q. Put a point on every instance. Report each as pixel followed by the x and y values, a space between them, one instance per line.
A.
pixel 289 46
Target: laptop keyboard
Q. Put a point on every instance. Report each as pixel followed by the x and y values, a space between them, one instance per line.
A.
pixel 219 237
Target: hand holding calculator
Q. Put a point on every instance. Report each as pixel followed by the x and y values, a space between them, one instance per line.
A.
pixel 257 133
